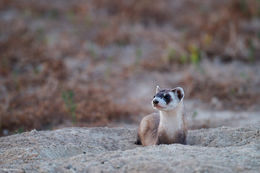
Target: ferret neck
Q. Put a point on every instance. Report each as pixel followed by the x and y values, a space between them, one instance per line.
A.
pixel 173 113
pixel 172 120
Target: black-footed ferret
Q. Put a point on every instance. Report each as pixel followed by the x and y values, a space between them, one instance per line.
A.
pixel 168 126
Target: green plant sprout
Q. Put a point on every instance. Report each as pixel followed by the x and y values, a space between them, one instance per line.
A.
pixel 171 55
pixel 194 54
pixel 183 59
pixel 20 130
pixel 138 55
pixel 251 51
pixel 68 98
pixel 195 114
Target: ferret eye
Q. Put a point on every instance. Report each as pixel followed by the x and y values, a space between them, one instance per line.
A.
pixel 153 96
pixel 167 97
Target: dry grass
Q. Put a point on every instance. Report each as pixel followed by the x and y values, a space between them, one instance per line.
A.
pixel 33 84
pixel 39 90
pixel 48 107
pixel 233 94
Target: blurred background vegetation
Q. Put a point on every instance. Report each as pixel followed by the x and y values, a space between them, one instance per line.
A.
pixel 97 62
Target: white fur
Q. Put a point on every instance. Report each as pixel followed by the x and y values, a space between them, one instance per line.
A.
pixel 171 121
pixel 174 101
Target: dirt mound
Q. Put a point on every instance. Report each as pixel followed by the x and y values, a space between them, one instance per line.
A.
pixel 113 150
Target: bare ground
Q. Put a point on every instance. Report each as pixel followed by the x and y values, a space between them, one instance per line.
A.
pixel 220 149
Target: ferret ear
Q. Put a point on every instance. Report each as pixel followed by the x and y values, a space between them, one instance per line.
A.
pixel 179 92
pixel 158 89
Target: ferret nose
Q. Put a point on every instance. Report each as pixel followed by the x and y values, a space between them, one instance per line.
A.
pixel 155 102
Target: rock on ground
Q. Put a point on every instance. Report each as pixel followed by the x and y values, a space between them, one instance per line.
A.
pixel 113 150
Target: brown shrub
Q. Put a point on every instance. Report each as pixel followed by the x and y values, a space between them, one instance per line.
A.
pixel 46 110
pixel 142 10
pixel 233 94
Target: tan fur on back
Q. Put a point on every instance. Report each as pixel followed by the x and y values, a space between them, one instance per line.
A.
pixel 148 129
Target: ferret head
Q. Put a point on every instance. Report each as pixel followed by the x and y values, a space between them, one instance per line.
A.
pixel 167 99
